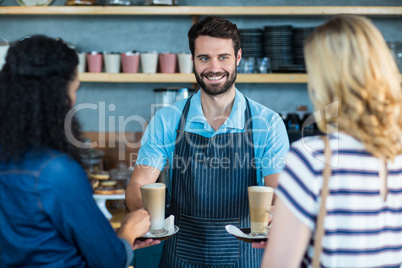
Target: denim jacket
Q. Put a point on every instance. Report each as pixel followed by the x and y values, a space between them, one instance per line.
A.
pixel 48 217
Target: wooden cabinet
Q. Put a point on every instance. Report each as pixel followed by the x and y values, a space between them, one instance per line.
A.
pixel 204 10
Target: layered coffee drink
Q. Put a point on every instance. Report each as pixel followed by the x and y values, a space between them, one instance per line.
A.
pixel 153 197
pixel 260 199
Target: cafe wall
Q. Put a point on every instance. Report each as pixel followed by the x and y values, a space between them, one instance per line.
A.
pixel 120 101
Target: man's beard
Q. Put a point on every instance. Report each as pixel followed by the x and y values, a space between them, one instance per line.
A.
pixel 216 89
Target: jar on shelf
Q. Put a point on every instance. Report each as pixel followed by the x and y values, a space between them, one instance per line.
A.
pixel 121 175
pixel 4 45
pixel 161 2
pixel 118 2
pixel 81 3
pixel 92 160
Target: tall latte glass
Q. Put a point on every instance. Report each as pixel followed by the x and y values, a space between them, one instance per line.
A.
pixel 260 199
pixel 153 197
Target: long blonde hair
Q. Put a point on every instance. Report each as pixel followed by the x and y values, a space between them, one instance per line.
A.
pixel 349 64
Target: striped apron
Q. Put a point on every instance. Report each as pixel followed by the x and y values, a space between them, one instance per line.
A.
pixel 209 192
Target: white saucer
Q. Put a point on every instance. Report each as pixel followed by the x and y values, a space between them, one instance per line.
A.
pixel 109 196
pixel 160 237
pixel 243 234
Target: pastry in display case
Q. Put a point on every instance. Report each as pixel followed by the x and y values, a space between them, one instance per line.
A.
pixel 33 2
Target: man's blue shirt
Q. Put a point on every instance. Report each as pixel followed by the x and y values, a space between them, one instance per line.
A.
pixel 269 134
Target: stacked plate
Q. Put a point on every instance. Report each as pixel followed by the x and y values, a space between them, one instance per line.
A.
pixel 277 45
pixel 299 37
pixel 251 42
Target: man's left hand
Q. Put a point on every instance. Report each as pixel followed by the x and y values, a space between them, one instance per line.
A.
pixel 143 244
pixel 261 244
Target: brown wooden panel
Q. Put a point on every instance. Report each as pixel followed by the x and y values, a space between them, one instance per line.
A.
pixel 117 146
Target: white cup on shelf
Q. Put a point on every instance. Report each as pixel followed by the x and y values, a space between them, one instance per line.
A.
pixel 185 63
pixel 82 61
pixel 112 62
pixel 149 62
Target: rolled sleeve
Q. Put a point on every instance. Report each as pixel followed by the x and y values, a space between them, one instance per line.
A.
pixel 155 143
pixel 129 251
pixel 275 148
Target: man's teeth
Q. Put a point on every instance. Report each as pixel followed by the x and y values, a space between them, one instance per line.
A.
pixel 215 77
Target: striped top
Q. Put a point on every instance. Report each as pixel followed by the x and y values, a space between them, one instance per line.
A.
pixel 361 230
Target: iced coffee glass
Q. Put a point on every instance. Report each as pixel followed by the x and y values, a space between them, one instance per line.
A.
pixel 153 197
pixel 260 199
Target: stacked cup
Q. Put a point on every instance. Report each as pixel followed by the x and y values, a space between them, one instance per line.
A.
pixel 130 61
pixel 82 60
pixel 185 63
pixel 149 62
pixel 112 62
pixel 167 62
pixel 95 62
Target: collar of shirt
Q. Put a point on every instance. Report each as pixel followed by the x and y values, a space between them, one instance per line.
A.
pixel 346 138
pixel 197 120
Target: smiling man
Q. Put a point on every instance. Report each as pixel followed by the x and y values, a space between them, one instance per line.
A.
pixel 213 63
pixel 216 143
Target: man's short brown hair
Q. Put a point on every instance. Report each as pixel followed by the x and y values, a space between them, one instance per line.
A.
pixel 215 27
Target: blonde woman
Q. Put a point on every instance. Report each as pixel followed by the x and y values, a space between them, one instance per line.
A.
pixel 355 86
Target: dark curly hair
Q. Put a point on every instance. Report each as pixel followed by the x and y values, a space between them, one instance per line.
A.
pixel 34 99
pixel 215 27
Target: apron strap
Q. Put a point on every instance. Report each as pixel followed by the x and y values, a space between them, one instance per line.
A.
pixel 323 211
pixel 184 114
pixel 247 117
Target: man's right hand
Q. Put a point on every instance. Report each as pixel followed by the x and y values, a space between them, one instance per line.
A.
pixel 142 175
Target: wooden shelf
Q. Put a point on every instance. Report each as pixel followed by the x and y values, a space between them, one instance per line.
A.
pixel 272 78
pixel 203 10
pixel 137 78
pixel 187 78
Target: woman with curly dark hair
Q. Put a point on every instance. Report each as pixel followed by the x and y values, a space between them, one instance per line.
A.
pixel 48 217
